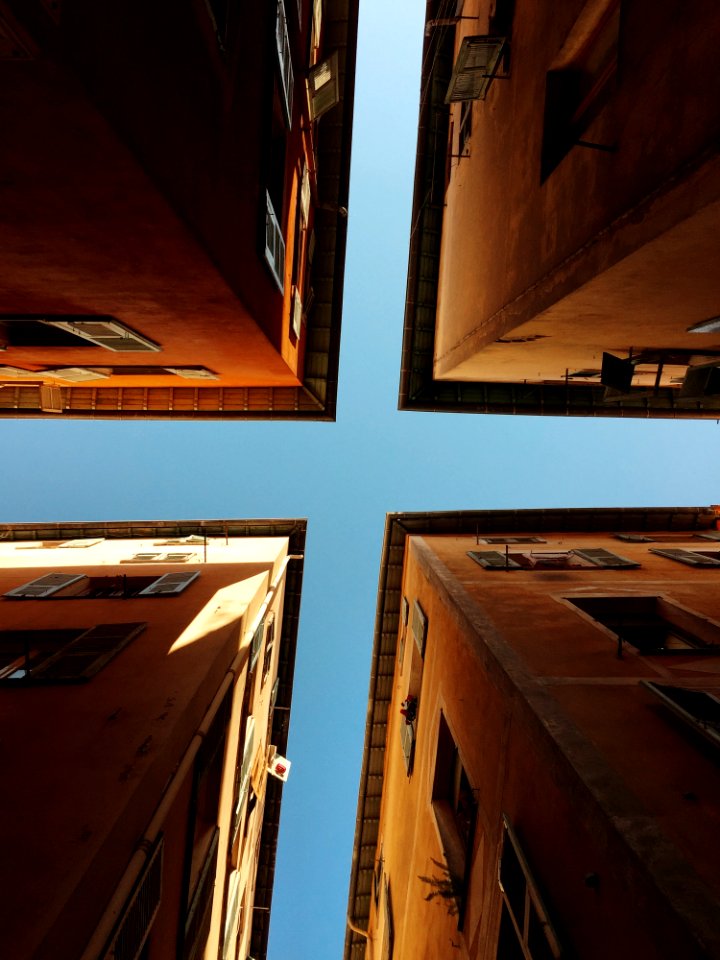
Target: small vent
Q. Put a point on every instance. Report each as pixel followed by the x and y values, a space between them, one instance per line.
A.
pixel 44 586
pixel 475 68
pixel 324 87
pixel 170 583
pixel 137 919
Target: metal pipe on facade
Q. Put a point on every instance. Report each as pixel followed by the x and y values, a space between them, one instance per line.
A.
pixel 114 909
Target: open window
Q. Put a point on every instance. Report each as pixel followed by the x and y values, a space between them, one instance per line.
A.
pixel 455 809
pixel 586 559
pixel 72 655
pixel 135 922
pixel 699 709
pixel 652 625
pixel 581 81
pixel 526 932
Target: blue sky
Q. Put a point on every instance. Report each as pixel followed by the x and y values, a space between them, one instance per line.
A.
pixel 344 477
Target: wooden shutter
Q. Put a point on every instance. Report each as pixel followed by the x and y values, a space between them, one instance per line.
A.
pixel 256 643
pixel 45 586
pixel 324 86
pixel 282 41
pixel 690 557
pixel 197 922
pixel 493 560
pixel 274 244
pixel 475 67
pixel 84 657
pixel 105 333
pixel 169 584
pixel 604 558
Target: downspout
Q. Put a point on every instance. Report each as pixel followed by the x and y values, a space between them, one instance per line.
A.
pixel 122 892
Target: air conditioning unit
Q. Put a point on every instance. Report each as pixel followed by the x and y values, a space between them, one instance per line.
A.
pixel 278 766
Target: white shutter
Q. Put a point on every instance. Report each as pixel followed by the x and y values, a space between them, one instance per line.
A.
pixel 105 333
pixel 74 374
pixel 193 373
pixel 45 586
pixel 305 196
pixel 169 584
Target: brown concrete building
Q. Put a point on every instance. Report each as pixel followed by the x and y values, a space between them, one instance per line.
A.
pixel 145 688
pixel 174 185
pixel 540 775
pixel 565 228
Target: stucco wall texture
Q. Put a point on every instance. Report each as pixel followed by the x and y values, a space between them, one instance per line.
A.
pixel 615 803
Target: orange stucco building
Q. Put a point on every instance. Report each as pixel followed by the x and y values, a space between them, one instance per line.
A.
pixel 145 686
pixel 174 181
pixel 540 773
pixel 567 201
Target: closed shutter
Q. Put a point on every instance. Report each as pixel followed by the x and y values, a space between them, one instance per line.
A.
pixel 84 657
pixel 493 560
pixel 690 557
pixel 45 586
pixel 134 925
pixel 170 583
pixel 256 643
pixel 604 558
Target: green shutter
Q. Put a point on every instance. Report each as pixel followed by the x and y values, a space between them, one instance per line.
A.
pixel 493 560
pixel 604 558
pixel 690 557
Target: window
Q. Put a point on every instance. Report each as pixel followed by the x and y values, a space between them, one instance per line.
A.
pixel 699 709
pixel 66 330
pixel 72 655
pixel 62 586
pixel 419 627
pixel 388 932
pixel 582 80
pixel 404 615
pixel 693 558
pixel 242 774
pixel 160 558
pixel 269 644
pixel 282 41
pixel 274 244
pixel 511 540
pixel 667 537
pixel 256 643
pixel 525 929
pixel 455 809
pixel 652 625
pixel 585 559
pixel 133 927
pixel 465 126
pixel 109 334
pixel 232 914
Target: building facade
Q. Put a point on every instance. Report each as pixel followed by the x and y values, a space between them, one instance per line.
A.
pixel 175 185
pixel 145 689
pixel 565 211
pixel 540 773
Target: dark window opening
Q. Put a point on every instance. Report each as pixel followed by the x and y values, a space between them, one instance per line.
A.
pixel 466 113
pixel 525 929
pixel 652 625
pixel 455 809
pixel 73 655
pixel 699 709
pixel 30 331
pixel 580 87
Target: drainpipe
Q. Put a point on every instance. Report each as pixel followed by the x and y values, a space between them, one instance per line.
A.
pixel 122 891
